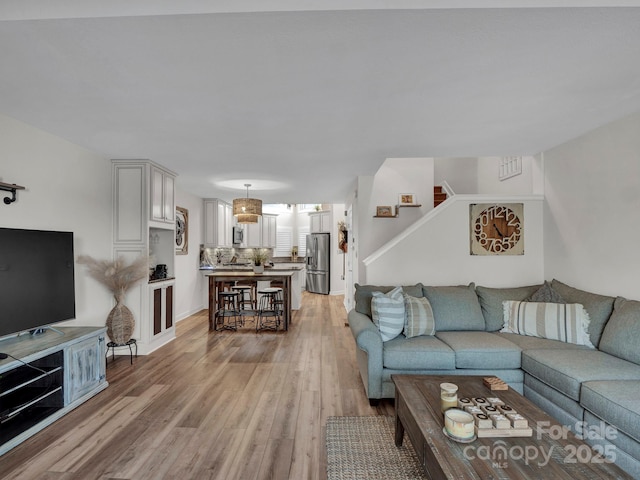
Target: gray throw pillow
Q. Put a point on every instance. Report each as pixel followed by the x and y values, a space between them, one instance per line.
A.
pixel 364 292
pixel 599 307
pixel 621 334
pixel 455 308
pixel 546 294
pixel 491 302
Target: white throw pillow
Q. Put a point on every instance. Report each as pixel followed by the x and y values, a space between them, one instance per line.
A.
pixel 567 322
pixel 387 312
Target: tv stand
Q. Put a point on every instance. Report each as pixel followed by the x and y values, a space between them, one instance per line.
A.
pixel 38 331
pixel 55 372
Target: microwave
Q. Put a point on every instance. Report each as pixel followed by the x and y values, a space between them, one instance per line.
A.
pixel 238 235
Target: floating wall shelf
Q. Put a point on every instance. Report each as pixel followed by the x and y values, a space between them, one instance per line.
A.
pixel 10 187
pixel 398 207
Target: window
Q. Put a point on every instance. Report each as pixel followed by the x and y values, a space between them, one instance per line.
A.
pixel 284 242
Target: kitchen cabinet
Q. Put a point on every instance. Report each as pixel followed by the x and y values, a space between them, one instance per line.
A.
pixel 252 236
pixel 218 223
pixel 320 222
pixel 261 234
pixel 163 208
pixel 269 230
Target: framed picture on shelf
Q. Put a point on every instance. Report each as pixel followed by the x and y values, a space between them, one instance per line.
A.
pixel 182 231
pixel 407 199
pixel 384 211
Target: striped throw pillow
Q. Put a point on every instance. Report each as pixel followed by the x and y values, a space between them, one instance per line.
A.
pixel 387 312
pixel 565 322
pixel 418 317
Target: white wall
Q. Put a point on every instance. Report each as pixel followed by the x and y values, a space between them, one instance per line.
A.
pixel 592 219
pixel 488 181
pixel 460 173
pixel 67 188
pixel 338 259
pixel 437 252
pixel 395 176
pixel 189 281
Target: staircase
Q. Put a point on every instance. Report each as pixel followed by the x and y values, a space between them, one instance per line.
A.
pixel 438 195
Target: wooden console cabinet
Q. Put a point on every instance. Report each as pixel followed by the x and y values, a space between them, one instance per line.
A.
pixel 60 372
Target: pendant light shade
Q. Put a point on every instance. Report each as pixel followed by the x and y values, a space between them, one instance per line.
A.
pixel 247 210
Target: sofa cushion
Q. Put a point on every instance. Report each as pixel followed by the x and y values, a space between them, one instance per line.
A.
pixel 481 350
pixel 418 353
pixel 599 307
pixel 533 343
pixel 615 402
pixel 455 308
pixel 387 311
pixel 565 322
pixel 363 295
pixel 418 317
pixel 546 294
pixel 491 303
pixel 566 370
pixel 622 332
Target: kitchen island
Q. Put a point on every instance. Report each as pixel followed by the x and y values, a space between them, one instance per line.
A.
pixel 297 277
pixel 218 277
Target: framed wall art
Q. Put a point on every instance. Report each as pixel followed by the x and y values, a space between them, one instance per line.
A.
pixel 182 231
pixel 407 199
pixel 384 211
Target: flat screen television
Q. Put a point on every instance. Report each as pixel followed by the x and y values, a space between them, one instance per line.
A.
pixel 36 279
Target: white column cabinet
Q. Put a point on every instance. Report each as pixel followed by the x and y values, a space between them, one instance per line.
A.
pixel 218 223
pixel 144 223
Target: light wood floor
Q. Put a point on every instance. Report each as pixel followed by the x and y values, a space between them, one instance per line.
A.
pixel 232 405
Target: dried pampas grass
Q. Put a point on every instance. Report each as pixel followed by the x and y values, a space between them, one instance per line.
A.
pixel 117 275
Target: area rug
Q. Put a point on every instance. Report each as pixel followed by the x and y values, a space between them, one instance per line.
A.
pixel 364 448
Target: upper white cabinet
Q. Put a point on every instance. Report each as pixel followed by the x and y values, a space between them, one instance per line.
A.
pixel 269 231
pixel 261 234
pixel 320 222
pixel 218 223
pixel 163 207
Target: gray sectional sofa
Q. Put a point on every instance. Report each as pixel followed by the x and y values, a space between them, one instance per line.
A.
pixel 584 388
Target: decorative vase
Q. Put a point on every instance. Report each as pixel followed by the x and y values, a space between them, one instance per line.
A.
pixel 120 322
pixel 258 268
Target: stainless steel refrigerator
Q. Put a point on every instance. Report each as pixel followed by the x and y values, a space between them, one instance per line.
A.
pixel 318 254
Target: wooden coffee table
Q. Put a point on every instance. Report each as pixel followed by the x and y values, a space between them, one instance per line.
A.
pixel 550 453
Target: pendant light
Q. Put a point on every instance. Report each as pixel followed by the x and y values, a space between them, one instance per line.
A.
pixel 247 210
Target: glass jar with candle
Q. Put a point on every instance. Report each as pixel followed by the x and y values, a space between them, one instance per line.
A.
pixel 448 396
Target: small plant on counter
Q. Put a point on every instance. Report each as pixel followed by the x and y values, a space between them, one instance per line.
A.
pixel 259 257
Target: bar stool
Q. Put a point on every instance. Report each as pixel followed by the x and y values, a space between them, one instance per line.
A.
pixel 228 308
pixel 245 298
pixel 269 310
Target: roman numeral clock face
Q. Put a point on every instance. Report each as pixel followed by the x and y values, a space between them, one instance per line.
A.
pixel 497 229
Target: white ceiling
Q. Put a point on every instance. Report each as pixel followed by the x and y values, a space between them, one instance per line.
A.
pixel 302 97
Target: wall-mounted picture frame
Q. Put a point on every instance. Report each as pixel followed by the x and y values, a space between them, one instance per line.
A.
pixel 182 231
pixel 407 199
pixel 384 211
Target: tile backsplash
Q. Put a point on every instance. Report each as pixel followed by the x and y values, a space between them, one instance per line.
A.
pixel 213 256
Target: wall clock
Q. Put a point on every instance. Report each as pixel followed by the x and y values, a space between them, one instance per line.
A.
pixel 497 229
